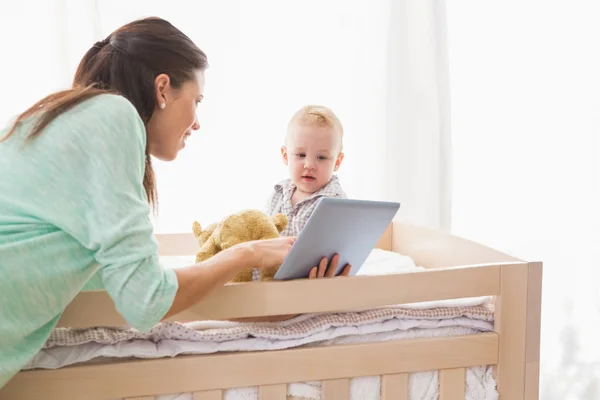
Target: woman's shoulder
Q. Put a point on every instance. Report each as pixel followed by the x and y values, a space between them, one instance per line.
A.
pixel 113 106
pixel 112 112
pixel 111 116
pixel 102 112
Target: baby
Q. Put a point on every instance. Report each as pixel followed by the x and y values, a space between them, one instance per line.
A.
pixel 312 152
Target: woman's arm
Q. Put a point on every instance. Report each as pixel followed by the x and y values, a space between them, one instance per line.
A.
pixel 195 282
pixel 199 280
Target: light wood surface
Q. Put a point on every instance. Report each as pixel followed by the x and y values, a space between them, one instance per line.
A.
pixel 452 384
pixel 433 249
pixel 209 395
pixel 394 387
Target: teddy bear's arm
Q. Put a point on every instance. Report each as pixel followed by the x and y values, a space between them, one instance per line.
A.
pixel 208 249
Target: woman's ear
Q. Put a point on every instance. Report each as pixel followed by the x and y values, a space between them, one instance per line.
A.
pixel 162 85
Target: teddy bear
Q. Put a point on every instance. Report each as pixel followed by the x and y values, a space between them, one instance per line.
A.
pixel 244 226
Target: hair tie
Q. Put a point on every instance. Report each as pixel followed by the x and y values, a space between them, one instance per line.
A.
pixel 100 44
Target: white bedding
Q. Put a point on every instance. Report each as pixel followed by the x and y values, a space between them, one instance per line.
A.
pixel 445 318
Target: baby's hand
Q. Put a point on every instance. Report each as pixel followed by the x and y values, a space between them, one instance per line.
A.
pixel 323 271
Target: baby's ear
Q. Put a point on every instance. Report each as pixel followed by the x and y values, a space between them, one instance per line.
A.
pixel 284 155
pixel 280 221
pixel 338 161
pixel 197 229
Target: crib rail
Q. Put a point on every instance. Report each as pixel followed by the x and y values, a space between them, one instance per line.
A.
pixel 243 300
pixel 207 376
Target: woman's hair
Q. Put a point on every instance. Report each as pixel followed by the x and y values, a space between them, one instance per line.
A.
pixel 126 63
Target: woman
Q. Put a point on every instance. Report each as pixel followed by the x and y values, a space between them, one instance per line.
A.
pixel 76 186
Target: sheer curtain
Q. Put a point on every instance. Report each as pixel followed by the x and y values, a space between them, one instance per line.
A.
pixel 268 58
pixel 42 42
pixel 525 83
pixel 380 65
pixel 418 149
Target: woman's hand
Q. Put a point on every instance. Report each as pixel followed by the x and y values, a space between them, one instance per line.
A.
pixel 267 253
pixel 324 271
pixel 271 253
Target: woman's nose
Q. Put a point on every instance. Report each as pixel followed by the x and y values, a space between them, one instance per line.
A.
pixel 196 125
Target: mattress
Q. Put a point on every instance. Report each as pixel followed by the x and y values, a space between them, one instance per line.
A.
pixel 429 319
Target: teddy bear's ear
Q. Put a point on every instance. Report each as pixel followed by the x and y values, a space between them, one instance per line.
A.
pixel 280 221
pixel 197 229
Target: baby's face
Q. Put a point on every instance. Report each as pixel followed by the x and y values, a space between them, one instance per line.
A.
pixel 312 154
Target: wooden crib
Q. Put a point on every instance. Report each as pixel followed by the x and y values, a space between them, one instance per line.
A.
pixel 456 268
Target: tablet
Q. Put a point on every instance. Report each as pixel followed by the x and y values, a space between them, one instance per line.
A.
pixel 348 227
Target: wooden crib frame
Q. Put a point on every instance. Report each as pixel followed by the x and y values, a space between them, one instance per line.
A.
pixel 456 268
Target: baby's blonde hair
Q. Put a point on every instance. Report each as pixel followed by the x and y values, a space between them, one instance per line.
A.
pixel 316 115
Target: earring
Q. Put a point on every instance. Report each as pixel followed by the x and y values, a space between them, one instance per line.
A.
pixel 162 106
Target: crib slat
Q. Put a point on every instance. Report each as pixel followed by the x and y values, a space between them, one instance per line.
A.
pixel 394 387
pixel 272 392
pixel 209 395
pixel 335 389
pixel 452 384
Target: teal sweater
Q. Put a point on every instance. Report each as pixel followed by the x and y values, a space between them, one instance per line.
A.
pixel 73 208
